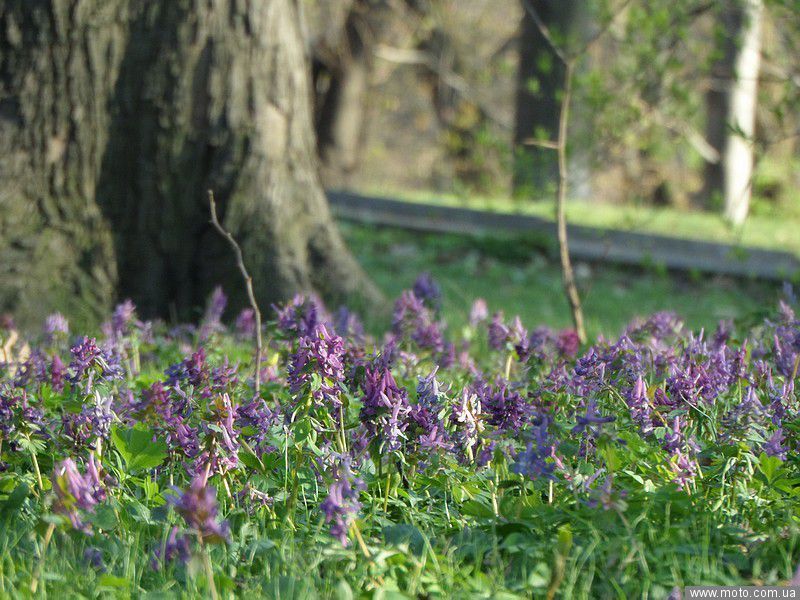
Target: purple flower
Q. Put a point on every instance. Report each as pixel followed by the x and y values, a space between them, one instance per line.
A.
pixel 413 320
pixel 592 421
pixel 502 336
pixel 384 408
pixel 567 343
pixel 504 407
pixel 221 446
pixel 89 361
pixel 58 373
pixel 92 423
pixel 176 547
pixel 198 507
pixel 675 439
pixel 478 313
pixel 774 445
pixel 300 316
pixel 246 323
pixel 212 319
pixel 498 332
pixel 319 354
pixel 192 369
pixel 538 458
pixel 348 325
pixel 342 504
pixel 640 409
pixel 94 557
pixel 77 491
pixel 123 315
pixel 255 420
pixel 606 496
pixel 427 290
pixel 684 468
pixel 466 419
pixel 55 326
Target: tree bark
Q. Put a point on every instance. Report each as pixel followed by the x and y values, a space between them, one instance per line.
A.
pixel 731 108
pixel 58 64
pixel 342 70
pixel 176 98
pixel 738 157
pixel 540 79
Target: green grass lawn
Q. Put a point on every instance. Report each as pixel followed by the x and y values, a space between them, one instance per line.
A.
pixel 514 277
pixel 767 227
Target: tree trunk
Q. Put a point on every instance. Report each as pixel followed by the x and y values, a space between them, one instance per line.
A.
pixel 343 65
pixel 176 98
pixel 731 108
pixel 738 157
pixel 58 64
pixel 540 79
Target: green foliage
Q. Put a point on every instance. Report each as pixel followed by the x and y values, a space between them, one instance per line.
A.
pixel 139 447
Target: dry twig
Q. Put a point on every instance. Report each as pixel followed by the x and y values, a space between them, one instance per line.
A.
pixel 247 280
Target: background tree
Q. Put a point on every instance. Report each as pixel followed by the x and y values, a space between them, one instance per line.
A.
pixel 540 79
pixel 344 35
pixel 116 116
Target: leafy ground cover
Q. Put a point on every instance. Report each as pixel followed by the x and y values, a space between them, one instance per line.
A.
pixel 769 226
pixel 486 461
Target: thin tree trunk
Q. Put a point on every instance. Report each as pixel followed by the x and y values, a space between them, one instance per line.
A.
pixel 121 115
pixel 738 156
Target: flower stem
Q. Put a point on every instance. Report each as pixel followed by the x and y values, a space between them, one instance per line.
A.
pixel 36 469
pixel 48 534
pixel 208 569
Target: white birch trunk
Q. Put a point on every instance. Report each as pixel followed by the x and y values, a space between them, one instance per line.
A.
pixel 738 154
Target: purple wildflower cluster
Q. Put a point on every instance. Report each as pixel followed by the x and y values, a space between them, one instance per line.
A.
pixel 316 369
pixel 338 409
pixel 342 504
pixel 76 491
pixel 198 507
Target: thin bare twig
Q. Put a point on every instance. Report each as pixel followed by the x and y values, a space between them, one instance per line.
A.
pixel 568 274
pixel 247 280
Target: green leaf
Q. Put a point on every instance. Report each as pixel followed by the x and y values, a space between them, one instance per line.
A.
pixel 110 581
pixel 139 448
pixel 342 591
pixel 770 466
pixel 404 533
pixel 15 500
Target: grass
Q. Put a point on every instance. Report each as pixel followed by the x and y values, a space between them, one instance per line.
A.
pixel 513 276
pixel 767 227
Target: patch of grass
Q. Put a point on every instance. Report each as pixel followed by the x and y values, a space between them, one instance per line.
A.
pixel 517 278
pixel 773 228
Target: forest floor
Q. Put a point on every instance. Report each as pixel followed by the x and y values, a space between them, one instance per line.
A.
pixel 518 279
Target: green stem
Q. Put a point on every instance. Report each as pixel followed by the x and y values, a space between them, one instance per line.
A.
pixel 36 469
pixel 47 536
pixel 386 491
pixel 208 568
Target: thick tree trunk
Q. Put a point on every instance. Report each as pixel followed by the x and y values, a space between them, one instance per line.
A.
pixel 192 95
pixel 58 64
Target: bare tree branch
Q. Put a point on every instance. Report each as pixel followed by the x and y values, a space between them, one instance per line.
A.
pixel 568 274
pixel 248 284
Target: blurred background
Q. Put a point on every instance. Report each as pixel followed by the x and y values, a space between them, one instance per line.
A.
pixel 682 123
